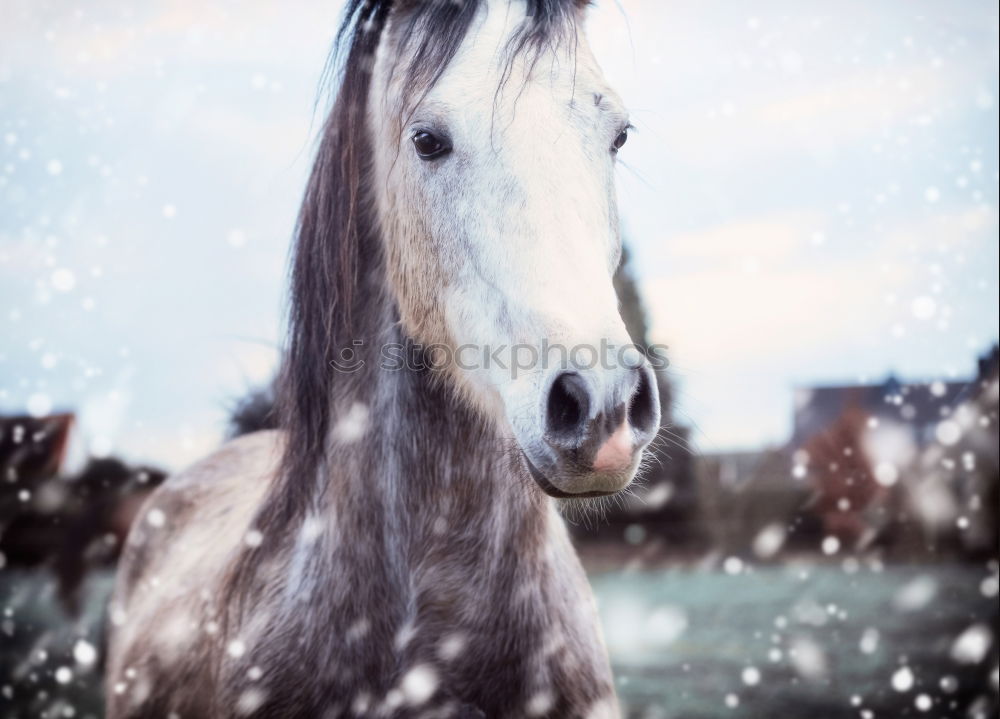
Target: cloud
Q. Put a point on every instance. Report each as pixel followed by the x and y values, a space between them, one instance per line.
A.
pixel 772 238
pixel 770 124
pixel 741 331
pixel 757 312
pixel 766 286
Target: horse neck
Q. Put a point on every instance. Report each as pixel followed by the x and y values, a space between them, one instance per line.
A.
pixel 428 471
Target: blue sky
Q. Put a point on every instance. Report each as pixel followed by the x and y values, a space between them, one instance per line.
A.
pixel 811 196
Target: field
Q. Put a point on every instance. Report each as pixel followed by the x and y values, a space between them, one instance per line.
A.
pixel 809 641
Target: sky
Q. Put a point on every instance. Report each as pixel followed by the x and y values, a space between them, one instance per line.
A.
pixel 810 196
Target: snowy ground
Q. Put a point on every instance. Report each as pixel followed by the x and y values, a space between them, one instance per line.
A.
pixel 814 642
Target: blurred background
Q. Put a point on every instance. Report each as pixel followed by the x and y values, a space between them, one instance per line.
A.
pixel 810 204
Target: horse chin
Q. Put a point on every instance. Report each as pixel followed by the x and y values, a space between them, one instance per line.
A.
pixel 546 485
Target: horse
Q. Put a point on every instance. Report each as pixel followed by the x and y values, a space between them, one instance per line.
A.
pixel 397 548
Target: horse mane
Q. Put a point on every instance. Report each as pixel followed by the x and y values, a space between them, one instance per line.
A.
pixel 336 229
pixel 336 237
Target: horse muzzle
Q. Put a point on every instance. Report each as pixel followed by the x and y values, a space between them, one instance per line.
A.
pixel 595 426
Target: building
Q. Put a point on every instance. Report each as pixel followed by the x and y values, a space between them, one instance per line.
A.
pixel 905 468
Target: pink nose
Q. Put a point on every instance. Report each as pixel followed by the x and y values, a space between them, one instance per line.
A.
pixel 616 452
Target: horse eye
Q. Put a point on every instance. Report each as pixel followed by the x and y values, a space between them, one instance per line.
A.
pixel 620 140
pixel 429 146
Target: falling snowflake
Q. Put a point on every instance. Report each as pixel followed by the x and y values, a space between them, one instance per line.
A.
pixel 751 676
pixel 902 679
pixel 63 280
pixel 419 684
pixel 156 518
pixel 971 646
pixel 84 653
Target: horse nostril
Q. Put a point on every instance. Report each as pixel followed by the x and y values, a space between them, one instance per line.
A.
pixel 568 406
pixel 642 414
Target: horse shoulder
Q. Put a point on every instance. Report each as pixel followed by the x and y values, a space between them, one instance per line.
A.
pixel 163 610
